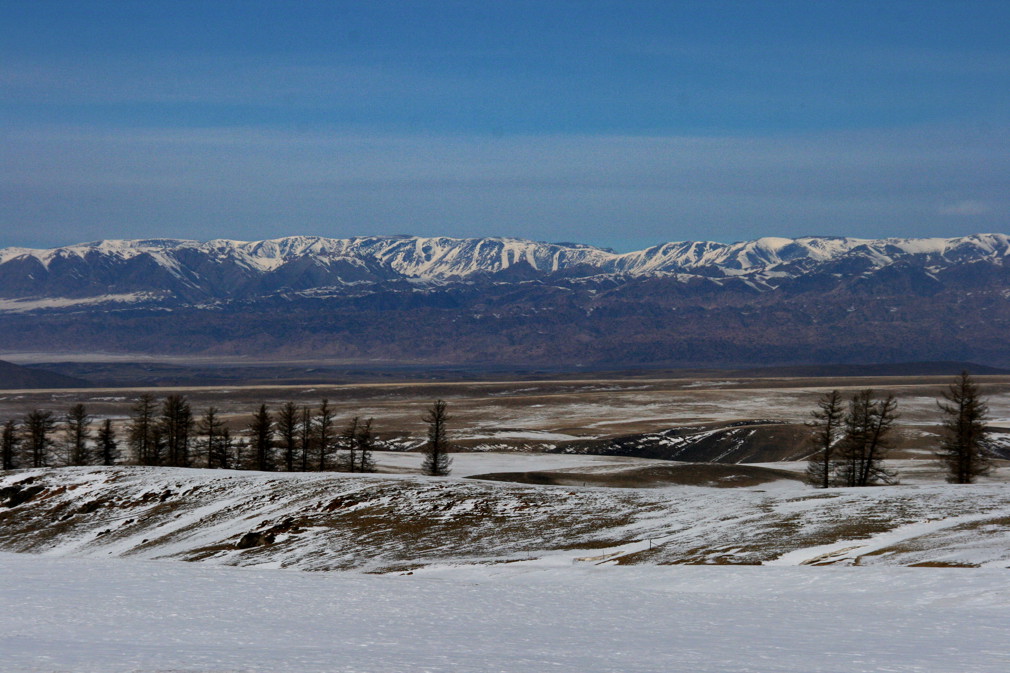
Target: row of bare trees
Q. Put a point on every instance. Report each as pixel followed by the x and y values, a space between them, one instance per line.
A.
pixel 41 439
pixel 852 442
pixel 294 438
pixel 166 432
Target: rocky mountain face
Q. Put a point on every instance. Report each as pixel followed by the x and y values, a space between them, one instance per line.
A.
pixel 499 301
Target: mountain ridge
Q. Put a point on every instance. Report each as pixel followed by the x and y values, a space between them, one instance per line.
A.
pixel 771 301
pixel 302 262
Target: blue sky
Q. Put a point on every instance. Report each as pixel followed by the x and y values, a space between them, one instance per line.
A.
pixel 616 123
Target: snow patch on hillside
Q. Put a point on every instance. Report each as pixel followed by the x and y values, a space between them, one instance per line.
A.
pixel 26 305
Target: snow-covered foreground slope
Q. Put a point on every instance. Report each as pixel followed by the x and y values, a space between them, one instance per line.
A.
pixel 103 616
pixel 496 576
pixel 402 522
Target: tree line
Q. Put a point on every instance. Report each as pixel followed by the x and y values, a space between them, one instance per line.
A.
pixel 167 433
pixel 852 441
pixel 31 442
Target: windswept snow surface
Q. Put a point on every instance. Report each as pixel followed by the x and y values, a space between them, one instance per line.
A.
pixel 104 616
pixel 486 576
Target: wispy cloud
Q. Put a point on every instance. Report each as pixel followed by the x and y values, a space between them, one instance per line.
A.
pixel 222 79
pixel 967 208
pixel 65 184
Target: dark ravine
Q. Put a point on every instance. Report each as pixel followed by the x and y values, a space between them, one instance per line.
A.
pixel 753 441
pixel 507 302
pixel 712 475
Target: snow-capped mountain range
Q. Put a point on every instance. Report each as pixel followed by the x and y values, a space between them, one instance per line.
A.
pixel 136 270
pixel 506 301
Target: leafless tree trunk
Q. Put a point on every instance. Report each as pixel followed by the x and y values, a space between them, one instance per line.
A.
pixel 76 433
pixel 287 428
pixel 142 432
pixel 211 429
pixel 38 426
pixel 324 434
pixel 348 442
pixel 108 449
pixel 436 457
pixel 305 438
pixel 10 441
pixel 262 431
pixel 867 440
pixel 366 443
pixel 826 426
pixel 176 428
pixel 963 449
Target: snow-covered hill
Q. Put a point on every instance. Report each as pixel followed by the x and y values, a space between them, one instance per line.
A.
pixel 487 577
pixel 391 522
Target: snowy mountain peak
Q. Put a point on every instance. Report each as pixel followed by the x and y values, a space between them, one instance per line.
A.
pixel 223 268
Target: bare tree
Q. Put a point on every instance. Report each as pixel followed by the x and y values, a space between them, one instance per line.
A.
pixel 38 426
pixel 826 426
pixel 76 433
pixel 366 444
pixel 10 442
pixel 867 440
pixel 228 459
pixel 142 431
pixel 323 434
pixel 176 424
pixel 158 444
pixel 348 441
pixel 436 450
pixel 287 428
pixel 211 429
pixel 963 449
pixel 261 432
pixel 108 449
pixel 305 438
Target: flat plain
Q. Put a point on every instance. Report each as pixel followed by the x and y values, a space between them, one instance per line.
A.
pixel 537 414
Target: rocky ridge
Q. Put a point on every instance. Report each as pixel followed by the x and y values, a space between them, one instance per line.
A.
pixel 505 302
pixel 132 271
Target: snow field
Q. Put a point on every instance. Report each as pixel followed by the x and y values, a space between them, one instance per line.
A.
pixel 497 577
pixel 105 616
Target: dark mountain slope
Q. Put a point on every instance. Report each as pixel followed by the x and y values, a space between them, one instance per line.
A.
pixel 508 302
pixel 16 377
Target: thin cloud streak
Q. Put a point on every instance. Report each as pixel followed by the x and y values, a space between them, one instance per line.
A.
pixel 676 86
pixel 66 185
